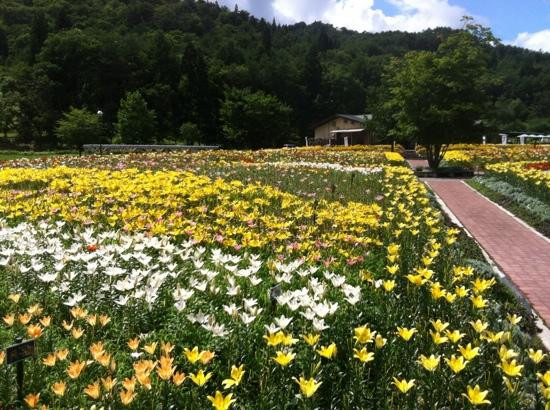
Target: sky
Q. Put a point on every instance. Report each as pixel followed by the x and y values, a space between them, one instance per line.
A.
pixel 524 23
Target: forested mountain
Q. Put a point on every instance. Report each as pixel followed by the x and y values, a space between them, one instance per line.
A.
pixel 213 75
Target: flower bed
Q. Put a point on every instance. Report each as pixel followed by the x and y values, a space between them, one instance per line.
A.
pixel 541 166
pixel 160 287
pixel 532 180
pixel 479 156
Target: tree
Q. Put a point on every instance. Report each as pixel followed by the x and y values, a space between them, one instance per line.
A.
pixel 78 127
pixel 4 45
pixel 190 133
pixel 254 119
pixel 9 105
pixel 136 123
pixel 199 95
pixel 37 117
pixel 439 98
pixel 39 33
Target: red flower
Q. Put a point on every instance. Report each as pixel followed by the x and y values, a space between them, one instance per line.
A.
pixel 91 248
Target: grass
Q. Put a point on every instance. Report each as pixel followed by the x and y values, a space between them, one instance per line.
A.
pixel 522 213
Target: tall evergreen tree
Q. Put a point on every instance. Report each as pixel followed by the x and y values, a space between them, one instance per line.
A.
pixel 4 45
pixel 39 33
pixel 200 98
pixel 136 123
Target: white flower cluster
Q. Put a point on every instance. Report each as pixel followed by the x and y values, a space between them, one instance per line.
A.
pixel 330 166
pixel 119 271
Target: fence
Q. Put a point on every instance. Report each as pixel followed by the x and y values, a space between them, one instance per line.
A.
pixel 106 148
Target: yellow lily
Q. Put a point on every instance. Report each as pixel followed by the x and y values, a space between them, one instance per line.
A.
pixel 200 378
pixel 429 363
pixel 308 387
pixel 403 385
pixel 405 333
pixel 219 402
pixel 476 396
pixel 284 358
pixel 363 355
pixel 328 351
pixel 456 364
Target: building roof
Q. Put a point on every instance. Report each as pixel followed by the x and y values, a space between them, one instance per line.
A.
pixel 346 131
pixel 352 117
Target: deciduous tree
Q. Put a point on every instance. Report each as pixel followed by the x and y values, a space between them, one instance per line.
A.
pixel 253 119
pixel 439 98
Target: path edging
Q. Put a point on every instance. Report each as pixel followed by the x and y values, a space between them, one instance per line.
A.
pixel 544 334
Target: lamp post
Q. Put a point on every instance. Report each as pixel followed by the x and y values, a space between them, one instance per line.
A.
pixel 100 115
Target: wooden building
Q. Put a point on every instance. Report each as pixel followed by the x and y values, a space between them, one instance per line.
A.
pixel 343 129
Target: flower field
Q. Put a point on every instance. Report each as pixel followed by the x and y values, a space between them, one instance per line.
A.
pixel 478 156
pixel 532 176
pixel 302 278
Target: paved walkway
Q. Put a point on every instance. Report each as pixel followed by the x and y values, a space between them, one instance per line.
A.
pixel 523 255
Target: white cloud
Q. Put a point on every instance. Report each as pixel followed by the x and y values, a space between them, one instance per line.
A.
pixel 537 41
pixel 360 15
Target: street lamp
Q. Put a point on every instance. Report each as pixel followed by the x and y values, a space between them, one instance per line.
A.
pixel 100 115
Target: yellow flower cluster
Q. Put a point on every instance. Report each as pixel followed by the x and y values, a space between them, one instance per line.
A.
pixel 181 203
pixel 457 156
pixel 394 157
pixel 480 155
pixel 539 178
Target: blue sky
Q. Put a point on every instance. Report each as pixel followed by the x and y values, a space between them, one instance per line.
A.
pixel 525 23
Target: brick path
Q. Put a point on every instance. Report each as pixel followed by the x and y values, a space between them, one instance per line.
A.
pixel 519 252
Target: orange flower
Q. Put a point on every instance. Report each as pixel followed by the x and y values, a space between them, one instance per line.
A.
pixel 59 388
pixel 178 378
pixel 207 356
pixel 67 326
pixel 133 344
pixel 34 331
pixel 165 370
pixel 75 368
pixel 166 347
pixel 25 318
pixel 32 400
pixel 46 321
pixel 127 396
pixel 104 359
pixel 129 384
pixel 78 312
pixel 9 319
pixel 97 349
pixel 77 332
pixel 2 357
pixel 49 360
pixel 93 390
pixel 104 320
pixel 108 383
pixel 92 320
pixel 62 354
pixel 144 379
pixel 34 310
pixel 144 366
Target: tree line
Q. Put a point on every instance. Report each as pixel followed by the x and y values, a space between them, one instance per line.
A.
pixel 190 71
